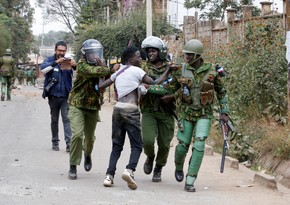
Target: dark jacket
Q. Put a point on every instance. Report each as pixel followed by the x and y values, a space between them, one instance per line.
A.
pixel 63 84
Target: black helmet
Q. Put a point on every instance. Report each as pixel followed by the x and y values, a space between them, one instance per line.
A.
pixel 155 42
pixel 91 49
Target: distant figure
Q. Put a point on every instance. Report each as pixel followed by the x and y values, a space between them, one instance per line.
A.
pixel 57 85
pixel 7 66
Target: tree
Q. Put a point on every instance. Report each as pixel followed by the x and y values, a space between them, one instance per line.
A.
pixel 19 20
pixel 215 9
pixel 116 37
pixel 79 13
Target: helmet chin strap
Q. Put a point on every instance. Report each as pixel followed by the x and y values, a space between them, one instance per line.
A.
pixel 194 59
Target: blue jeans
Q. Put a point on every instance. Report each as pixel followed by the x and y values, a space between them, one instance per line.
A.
pixel 57 105
pixel 125 120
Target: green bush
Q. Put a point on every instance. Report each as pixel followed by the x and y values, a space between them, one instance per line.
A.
pixel 116 37
pixel 256 82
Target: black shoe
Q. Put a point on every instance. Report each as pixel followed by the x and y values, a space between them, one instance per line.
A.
pixel 67 149
pixel 55 147
pixel 72 174
pixel 148 165
pixel 2 97
pixel 189 188
pixel 88 163
pixel 157 174
pixel 179 175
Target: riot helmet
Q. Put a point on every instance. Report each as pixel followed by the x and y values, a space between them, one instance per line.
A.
pixel 8 52
pixel 155 42
pixel 92 49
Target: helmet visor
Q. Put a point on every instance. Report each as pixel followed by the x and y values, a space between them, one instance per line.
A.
pixel 93 54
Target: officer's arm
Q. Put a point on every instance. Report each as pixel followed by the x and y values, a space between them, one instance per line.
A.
pixel 91 71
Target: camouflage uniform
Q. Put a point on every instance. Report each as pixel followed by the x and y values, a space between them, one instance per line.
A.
pixel 84 101
pixel 194 101
pixel 7 67
pixel 194 91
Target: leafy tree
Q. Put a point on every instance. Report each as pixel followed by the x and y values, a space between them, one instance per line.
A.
pixel 5 36
pixel 215 9
pixel 18 22
pixel 116 37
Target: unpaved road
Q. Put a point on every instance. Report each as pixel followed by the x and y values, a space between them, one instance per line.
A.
pixel 31 173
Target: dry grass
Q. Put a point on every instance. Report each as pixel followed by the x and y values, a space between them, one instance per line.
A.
pixel 276 140
pixel 263 136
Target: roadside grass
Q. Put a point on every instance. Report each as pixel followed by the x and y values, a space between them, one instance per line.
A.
pixel 258 137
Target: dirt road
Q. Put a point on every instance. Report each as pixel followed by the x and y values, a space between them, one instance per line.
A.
pixel 31 173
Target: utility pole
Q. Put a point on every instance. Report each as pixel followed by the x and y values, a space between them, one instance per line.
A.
pixel 148 17
pixel 108 15
pixel 286 12
pixel 176 14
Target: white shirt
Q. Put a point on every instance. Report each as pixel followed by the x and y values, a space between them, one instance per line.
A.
pixel 128 80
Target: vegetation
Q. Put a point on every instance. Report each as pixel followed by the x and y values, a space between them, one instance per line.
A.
pixel 216 9
pixel 52 37
pixel 15 22
pixel 257 88
pixel 130 30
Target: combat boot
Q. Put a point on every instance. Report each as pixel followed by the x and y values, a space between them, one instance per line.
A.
pixel 88 163
pixel 157 174
pixel 179 175
pixel 148 165
pixel 72 174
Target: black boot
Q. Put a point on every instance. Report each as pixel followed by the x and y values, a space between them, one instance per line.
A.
pixel 67 149
pixel 148 165
pixel 157 174
pixel 88 163
pixel 2 97
pixel 179 175
pixel 72 174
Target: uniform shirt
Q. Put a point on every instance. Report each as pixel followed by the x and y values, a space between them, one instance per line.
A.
pixel 83 94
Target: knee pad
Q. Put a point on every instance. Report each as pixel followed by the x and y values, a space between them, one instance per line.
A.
pixel 199 144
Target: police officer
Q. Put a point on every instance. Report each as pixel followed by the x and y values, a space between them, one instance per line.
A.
pixel 85 104
pixel 198 83
pixel 157 109
pixel 7 66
